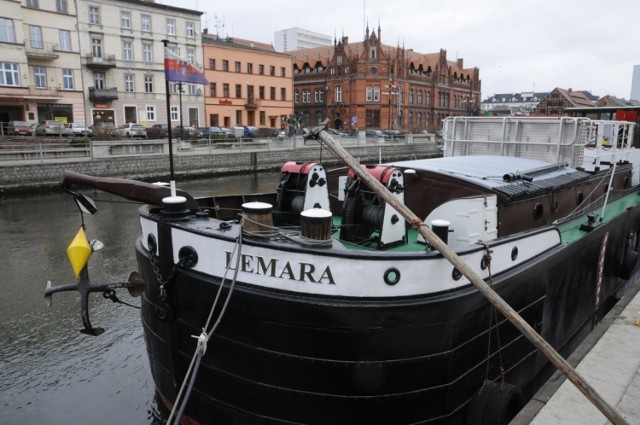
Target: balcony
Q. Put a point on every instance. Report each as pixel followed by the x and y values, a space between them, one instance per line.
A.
pixel 251 103
pixel 103 95
pixel 36 49
pixel 106 62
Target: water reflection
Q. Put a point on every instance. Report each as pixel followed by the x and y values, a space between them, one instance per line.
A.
pixel 47 368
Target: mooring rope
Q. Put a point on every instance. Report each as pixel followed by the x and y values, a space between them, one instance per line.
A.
pixel 203 338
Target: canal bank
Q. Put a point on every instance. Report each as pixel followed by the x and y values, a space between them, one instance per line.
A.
pixel 196 160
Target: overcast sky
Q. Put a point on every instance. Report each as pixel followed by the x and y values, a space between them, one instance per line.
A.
pixel 518 45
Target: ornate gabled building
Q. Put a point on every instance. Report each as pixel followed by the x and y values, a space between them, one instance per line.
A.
pixel 370 85
pixel 559 99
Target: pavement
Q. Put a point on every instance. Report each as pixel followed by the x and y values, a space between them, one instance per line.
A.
pixel 609 361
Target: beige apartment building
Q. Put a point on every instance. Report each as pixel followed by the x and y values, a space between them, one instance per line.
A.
pixel 40 71
pixel 122 56
pixel 249 83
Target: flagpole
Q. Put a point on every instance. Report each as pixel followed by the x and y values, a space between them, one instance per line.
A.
pixel 170 135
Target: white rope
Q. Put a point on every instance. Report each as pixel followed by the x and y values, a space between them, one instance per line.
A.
pixel 203 338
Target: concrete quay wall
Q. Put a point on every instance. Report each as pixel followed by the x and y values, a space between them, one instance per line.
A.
pixel 23 176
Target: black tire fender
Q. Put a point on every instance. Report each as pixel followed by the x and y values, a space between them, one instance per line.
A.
pixel 494 404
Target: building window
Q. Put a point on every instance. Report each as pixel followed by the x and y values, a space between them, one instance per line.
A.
pixel 148 83
pixel 191 55
pixel 127 50
pixel 171 26
pixel 192 89
pixel 213 90
pixel 225 90
pixel 191 30
pixel 128 83
pixel 319 117
pixel 261 69
pixel 94 15
pixel 272 93
pixel 35 33
pixel 67 79
pixel 40 76
pixel 283 93
pixel 283 71
pixel 338 94
pixel 225 65
pixel 263 118
pixel 261 92
pixel 65 40
pixel 296 96
pixel 151 112
pixel 125 19
pixel 249 68
pixel 373 52
pixel 369 94
pixel 145 23
pixel 32 3
pixel 173 49
pixel 376 94
pixel 238 117
pixel 238 91
pixel 175 113
pixel 96 47
pixel 9 75
pixel 99 80
pixel 237 66
pixel 411 97
pixel 147 52
pixel 419 97
pixel 62 6
pixel 316 95
pixel 7 34
pixel 272 70
pixel 212 64
pixel 306 96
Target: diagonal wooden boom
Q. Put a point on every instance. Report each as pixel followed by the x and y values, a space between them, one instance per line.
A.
pixel 504 308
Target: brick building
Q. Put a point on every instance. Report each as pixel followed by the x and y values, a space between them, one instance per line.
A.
pixel 559 99
pixel 372 85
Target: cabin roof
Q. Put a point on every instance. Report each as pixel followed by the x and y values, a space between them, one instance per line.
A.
pixel 488 171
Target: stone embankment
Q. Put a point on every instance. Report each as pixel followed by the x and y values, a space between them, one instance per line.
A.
pixel 44 169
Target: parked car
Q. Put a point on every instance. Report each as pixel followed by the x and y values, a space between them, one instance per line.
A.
pixel 391 134
pixel 18 128
pixel 79 129
pixel 102 129
pixel 212 132
pixel 187 132
pixel 130 130
pixel 158 131
pixel 267 132
pixel 250 131
pixel 52 128
pixel 337 133
pixel 378 134
pixel 227 131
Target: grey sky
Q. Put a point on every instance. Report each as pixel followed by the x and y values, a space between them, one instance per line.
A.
pixel 518 45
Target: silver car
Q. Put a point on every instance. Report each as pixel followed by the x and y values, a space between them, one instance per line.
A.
pixel 130 130
pixel 52 128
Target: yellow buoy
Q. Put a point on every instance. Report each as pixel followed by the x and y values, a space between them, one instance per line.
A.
pixel 79 252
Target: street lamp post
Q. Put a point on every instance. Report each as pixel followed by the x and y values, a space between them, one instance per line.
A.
pixel 180 97
pixel 392 90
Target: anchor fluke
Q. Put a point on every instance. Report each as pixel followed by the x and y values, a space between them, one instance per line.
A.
pixel 136 284
pixel 47 294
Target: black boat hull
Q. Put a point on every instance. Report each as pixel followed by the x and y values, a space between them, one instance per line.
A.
pixel 281 357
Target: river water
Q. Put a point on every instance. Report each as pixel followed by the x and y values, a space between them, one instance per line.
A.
pixel 49 372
